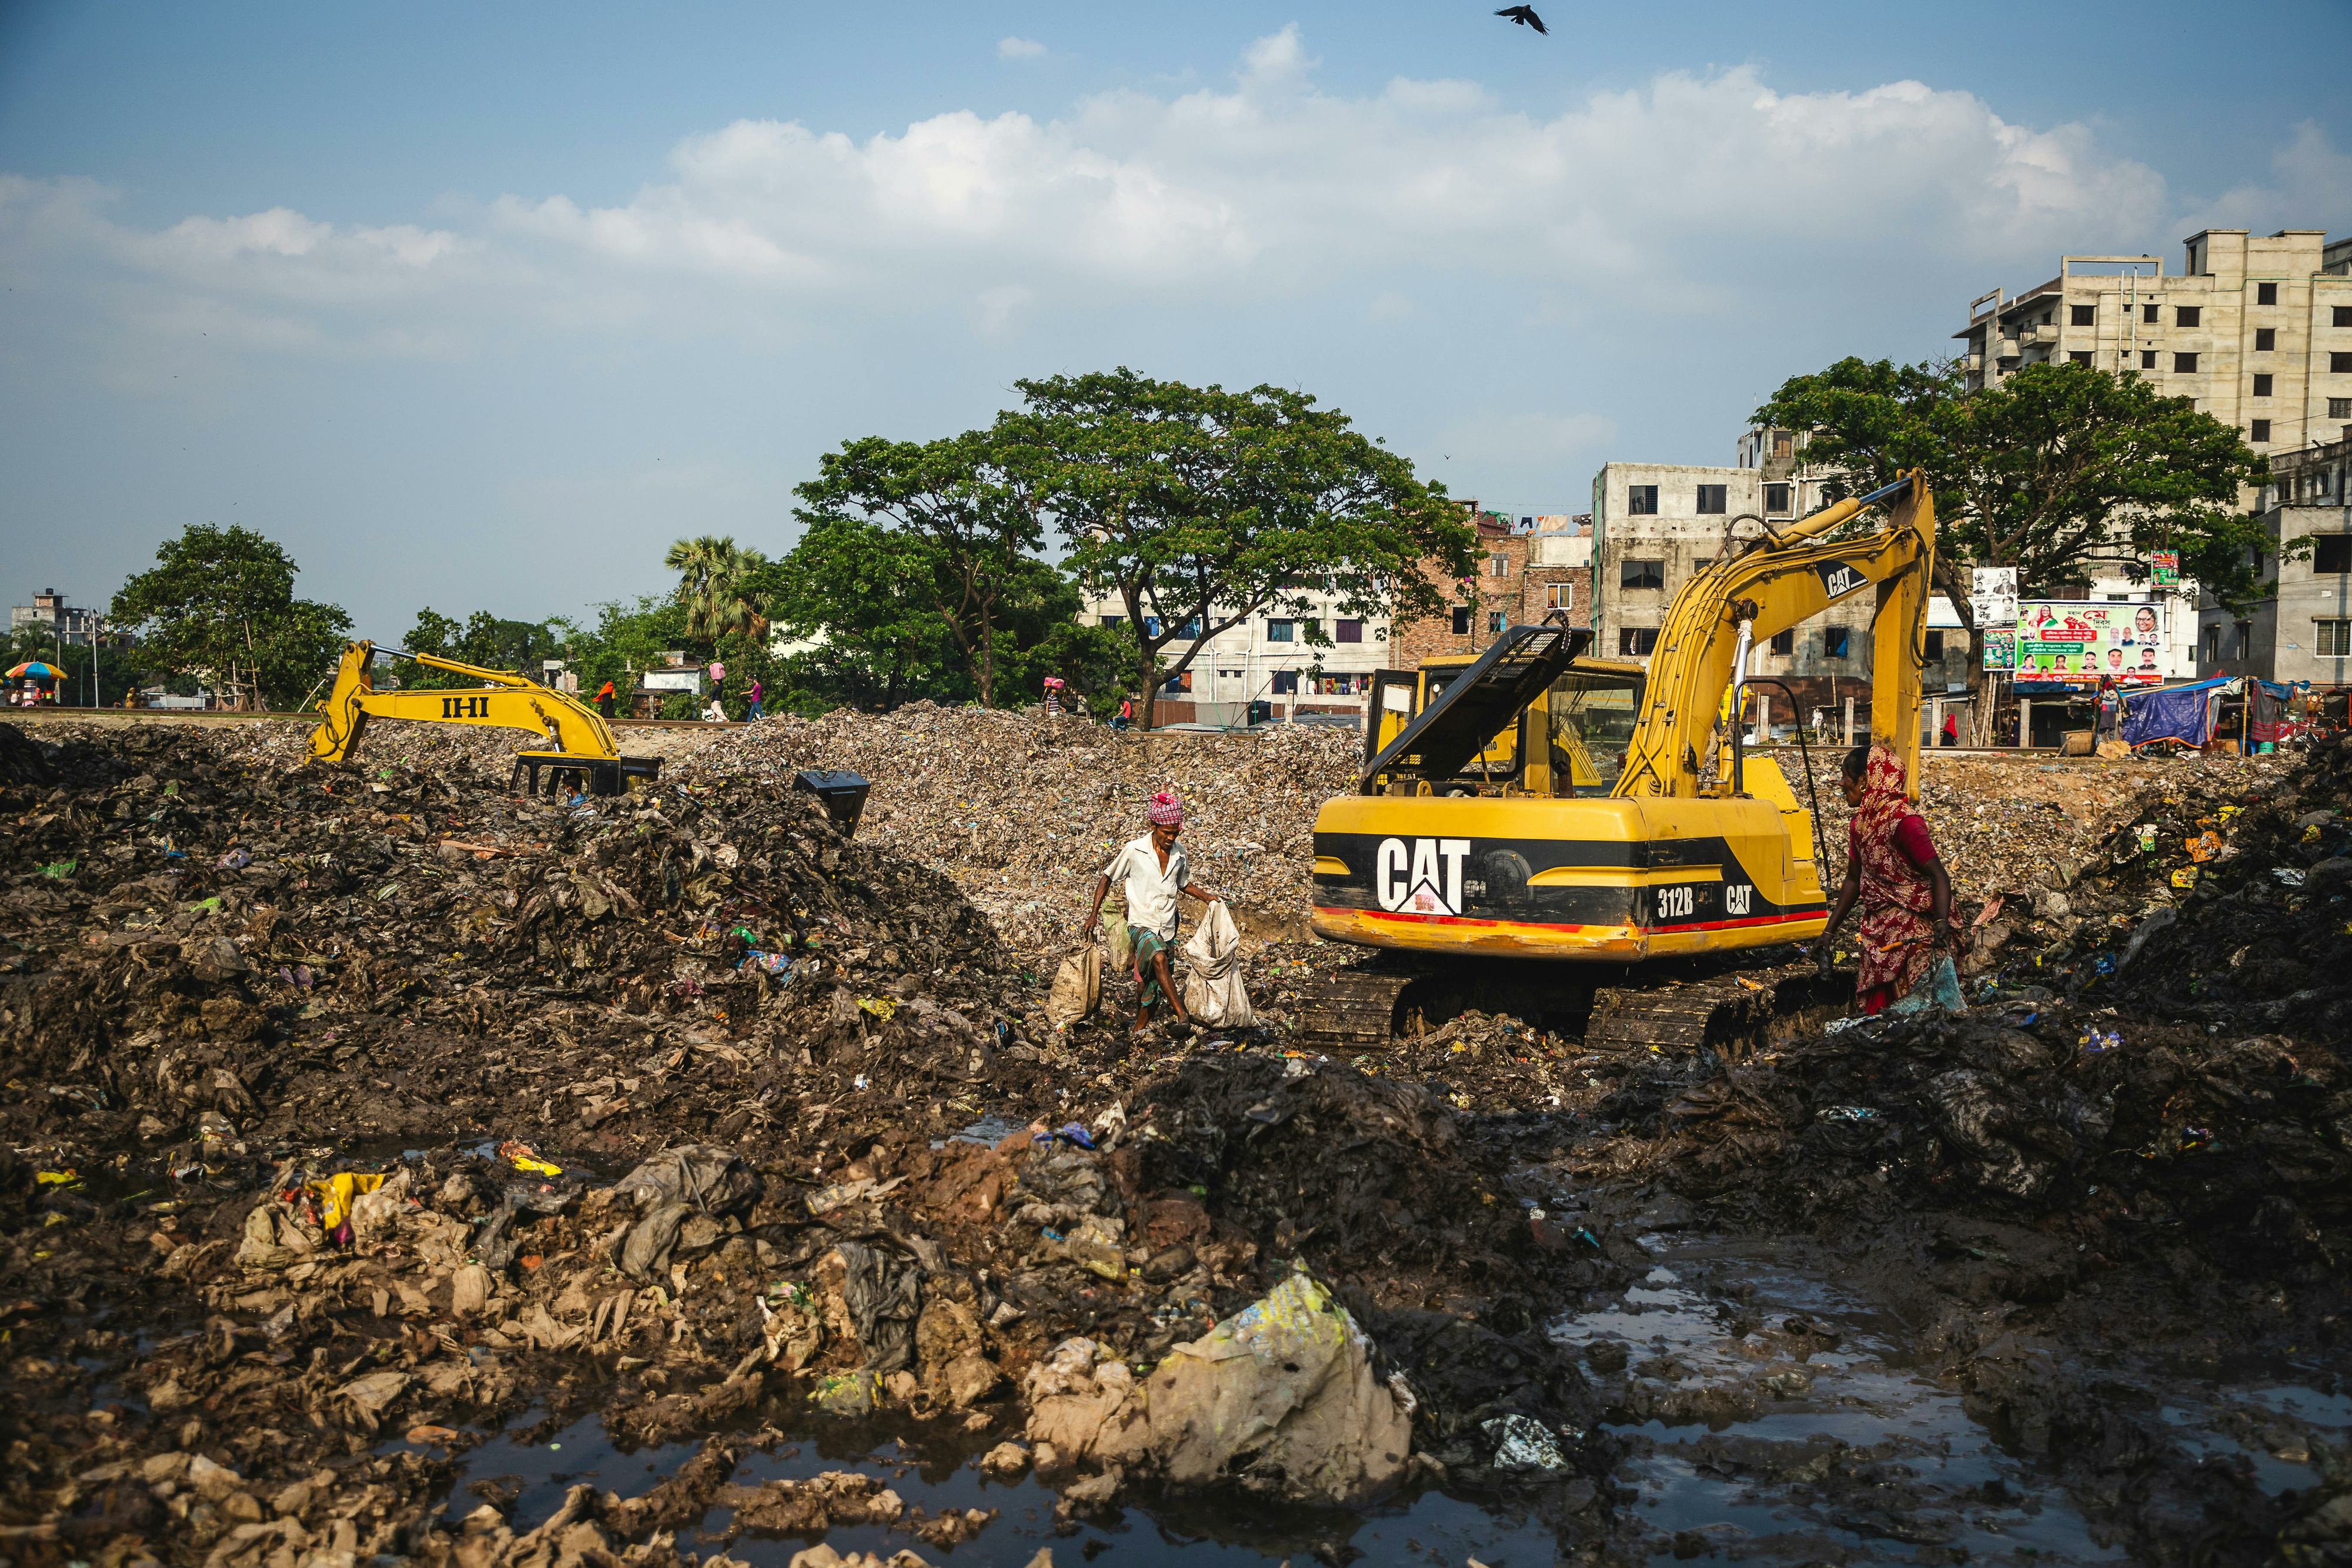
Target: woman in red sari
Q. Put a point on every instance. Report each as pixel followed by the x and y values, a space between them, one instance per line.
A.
pixel 1892 867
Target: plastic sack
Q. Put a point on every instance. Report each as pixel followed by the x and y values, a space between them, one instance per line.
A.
pixel 1938 990
pixel 1077 987
pixel 1214 992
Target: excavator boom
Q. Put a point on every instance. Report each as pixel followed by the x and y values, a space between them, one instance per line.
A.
pixel 580 747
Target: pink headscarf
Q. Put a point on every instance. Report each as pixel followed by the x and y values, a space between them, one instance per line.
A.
pixel 1167 811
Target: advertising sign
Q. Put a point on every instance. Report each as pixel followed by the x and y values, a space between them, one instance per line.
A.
pixel 1999 648
pixel 1992 596
pixel 670 681
pixel 2164 569
pixel 2077 642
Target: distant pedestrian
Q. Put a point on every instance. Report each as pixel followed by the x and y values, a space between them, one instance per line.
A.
pixel 605 700
pixel 2110 709
pixel 1125 714
pixel 1952 728
pixel 756 692
pixel 1053 696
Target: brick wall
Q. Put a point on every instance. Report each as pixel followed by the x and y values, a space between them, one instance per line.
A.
pixel 1518 592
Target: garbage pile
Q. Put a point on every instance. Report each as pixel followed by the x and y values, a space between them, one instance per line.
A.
pixel 1022 810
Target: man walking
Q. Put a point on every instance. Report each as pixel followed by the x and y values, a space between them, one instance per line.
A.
pixel 1151 871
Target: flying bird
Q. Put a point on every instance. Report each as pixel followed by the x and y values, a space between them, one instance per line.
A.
pixel 1524 16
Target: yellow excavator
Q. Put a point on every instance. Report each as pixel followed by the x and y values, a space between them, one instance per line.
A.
pixel 581 753
pixel 1540 804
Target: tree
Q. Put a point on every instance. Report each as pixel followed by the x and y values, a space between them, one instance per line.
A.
pixel 219 605
pixel 1201 508
pixel 714 573
pixel 964 532
pixel 856 598
pixel 484 639
pixel 2059 470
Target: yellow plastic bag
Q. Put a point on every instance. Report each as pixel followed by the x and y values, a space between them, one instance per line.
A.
pixel 335 1195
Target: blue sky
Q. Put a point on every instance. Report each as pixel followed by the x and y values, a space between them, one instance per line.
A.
pixel 479 307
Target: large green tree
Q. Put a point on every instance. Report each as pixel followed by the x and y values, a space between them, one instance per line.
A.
pixel 965 530
pixel 483 639
pixel 2062 470
pixel 1201 508
pixel 219 606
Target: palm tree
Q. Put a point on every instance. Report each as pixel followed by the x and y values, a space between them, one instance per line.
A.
pixel 713 573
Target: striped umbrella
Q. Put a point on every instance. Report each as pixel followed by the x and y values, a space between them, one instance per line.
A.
pixel 36 670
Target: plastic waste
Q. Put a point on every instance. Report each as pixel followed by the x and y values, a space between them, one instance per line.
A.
pixel 882 1293
pixel 883 1007
pixel 1215 992
pixel 777 963
pixel 335 1195
pixel 236 858
pixel 2288 876
pixel 1068 1132
pixel 523 1157
pixel 1938 990
pixel 57 870
pixel 1522 1443
pixel 1847 1113
pixel 2094 1041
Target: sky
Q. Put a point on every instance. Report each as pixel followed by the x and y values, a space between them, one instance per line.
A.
pixel 481 306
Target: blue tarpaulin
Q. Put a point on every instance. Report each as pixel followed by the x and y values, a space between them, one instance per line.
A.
pixel 2173 713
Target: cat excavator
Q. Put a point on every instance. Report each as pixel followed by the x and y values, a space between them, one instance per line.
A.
pixel 581 752
pixel 1608 820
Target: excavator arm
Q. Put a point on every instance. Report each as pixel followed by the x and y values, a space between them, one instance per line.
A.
pixel 575 736
pixel 1779 581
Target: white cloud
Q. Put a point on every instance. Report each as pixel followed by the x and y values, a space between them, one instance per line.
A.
pixel 1019 48
pixel 1693 196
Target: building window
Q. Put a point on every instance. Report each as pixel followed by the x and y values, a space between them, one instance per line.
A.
pixel 2339 408
pixel 2258 430
pixel 2265 339
pixel 2082 315
pixel 1784 442
pixel 1934 644
pixel 2331 555
pixel 2188 315
pixel 1713 499
pixel 1285 683
pixel 2147 313
pixel 2147 359
pixel 2184 364
pixel 1494 622
pixel 1461 621
pixel 1775 500
pixel 2245 640
pixel 2342 316
pixel 1640 574
pixel 1642 500
pixel 1347 631
pixel 1784 643
pixel 2339 364
pixel 2265 293
pixel 2332 639
pixel 1635 642
pixel 2262 386
pixel 1151 625
pixel 1559 596
pixel 2078 356
pixel 2212 644
pixel 1835 641
pixel 1498 566
pixel 1112 619
pixel 1280 630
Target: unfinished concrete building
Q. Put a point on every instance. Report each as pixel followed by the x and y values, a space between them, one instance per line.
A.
pixel 2303 630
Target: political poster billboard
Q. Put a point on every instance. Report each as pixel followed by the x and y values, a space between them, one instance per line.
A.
pixel 2078 641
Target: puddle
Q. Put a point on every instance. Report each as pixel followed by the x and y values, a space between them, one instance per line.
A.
pixel 1433 1526
pixel 1759 1439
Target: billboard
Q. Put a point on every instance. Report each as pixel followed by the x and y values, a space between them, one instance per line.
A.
pixel 1999 648
pixel 2078 641
pixel 1992 596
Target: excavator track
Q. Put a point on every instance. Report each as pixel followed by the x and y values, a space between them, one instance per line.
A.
pixel 1670 1013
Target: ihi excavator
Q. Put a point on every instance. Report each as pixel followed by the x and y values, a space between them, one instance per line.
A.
pixel 1607 819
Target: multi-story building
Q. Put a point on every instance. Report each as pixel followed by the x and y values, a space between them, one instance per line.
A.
pixel 52 617
pixel 1269 658
pixel 2303 630
pixel 2257 331
pixel 1523 574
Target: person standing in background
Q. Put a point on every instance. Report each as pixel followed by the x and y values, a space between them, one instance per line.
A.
pixel 605 700
pixel 756 692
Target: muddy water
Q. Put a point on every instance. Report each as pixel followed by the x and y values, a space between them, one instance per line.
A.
pixel 1775 1416
pixel 1769 1415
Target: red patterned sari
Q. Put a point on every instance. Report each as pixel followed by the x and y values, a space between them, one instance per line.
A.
pixel 1897 897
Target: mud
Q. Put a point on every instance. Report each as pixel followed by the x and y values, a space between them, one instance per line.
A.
pixel 734 1184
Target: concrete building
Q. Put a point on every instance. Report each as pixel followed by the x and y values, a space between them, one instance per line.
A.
pixel 2303 631
pixel 52 617
pixel 2257 331
pixel 1542 563
pixel 1270 659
